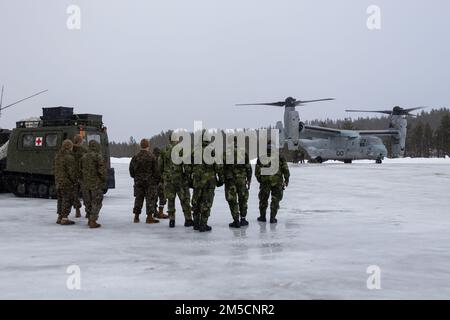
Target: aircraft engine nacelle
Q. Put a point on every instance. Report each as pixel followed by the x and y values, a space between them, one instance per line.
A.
pixel 291 131
pixel 400 123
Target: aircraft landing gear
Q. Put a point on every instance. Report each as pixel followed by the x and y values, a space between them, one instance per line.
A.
pixel 319 159
pixel 348 161
pixel 378 161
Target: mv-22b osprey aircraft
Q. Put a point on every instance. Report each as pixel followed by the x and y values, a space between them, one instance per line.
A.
pixel 324 144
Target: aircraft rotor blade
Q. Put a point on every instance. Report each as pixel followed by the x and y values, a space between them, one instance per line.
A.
pixel 372 111
pixel 274 104
pixel 413 109
pixel 315 100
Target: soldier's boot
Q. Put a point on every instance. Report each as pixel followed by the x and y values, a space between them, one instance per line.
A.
pixel 136 218
pixel 204 225
pixel 272 217
pixel 244 222
pixel 77 213
pixel 66 222
pixel 172 224
pixel 160 214
pixel 235 224
pixel 262 215
pixel 188 223
pixel 204 228
pixel 196 224
pixel 93 224
pixel 151 220
pixel 58 221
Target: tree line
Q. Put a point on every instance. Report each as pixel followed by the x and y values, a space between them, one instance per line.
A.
pixel 428 134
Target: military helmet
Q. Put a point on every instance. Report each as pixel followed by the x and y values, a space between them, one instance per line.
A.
pixel 67 144
pixel 145 143
pixel 77 139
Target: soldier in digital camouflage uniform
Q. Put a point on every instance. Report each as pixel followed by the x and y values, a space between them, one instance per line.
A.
pixel 238 177
pixel 94 175
pixel 159 210
pixel 175 177
pixel 78 151
pixel 271 185
pixel 205 179
pixel 64 169
pixel 144 170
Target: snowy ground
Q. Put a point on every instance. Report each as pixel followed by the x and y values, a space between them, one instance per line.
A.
pixel 334 222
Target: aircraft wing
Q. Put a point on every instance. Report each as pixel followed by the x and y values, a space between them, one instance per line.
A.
pixel 320 132
pixel 379 133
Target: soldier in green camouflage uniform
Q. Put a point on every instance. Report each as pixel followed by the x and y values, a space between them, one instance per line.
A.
pixel 271 185
pixel 78 151
pixel 205 179
pixel 144 171
pixel 64 169
pixel 94 175
pixel 159 210
pixel 175 177
pixel 237 184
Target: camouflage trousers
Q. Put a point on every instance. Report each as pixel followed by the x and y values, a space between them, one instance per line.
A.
pixel 76 197
pixel 236 194
pixel 93 201
pixel 161 196
pixel 202 201
pixel 171 191
pixel 265 191
pixel 65 201
pixel 149 194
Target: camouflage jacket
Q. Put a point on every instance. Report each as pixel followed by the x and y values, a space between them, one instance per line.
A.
pixel 206 175
pixel 78 152
pixel 238 172
pixel 144 168
pixel 277 179
pixel 93 169
pixel 172 173
pixel 64 168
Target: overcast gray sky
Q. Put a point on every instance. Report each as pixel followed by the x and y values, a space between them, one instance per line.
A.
pixel 160 64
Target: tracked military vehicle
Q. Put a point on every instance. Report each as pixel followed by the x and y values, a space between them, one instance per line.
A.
pixel 33 144
pixel 4 137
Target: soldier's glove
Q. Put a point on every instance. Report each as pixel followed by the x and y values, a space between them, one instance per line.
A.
pixel 285 184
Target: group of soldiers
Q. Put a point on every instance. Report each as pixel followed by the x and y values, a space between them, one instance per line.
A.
pixel 79 170
pixel 157 177
pixel 159 180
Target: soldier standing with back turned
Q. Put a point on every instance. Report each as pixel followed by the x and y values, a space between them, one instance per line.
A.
pixel 94 176
pixel 78 151
pixel 205 179
pixel 64 168
pixel 159 210
pixel 175 177
pixel 144 171
pixel 238 176
pixel 271 185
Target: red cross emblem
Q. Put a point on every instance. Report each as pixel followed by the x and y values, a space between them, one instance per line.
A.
pixel 38 142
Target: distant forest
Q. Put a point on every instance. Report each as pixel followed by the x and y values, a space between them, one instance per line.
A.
pixel 428 134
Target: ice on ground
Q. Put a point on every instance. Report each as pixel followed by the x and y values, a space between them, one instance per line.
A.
pixel 335 221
